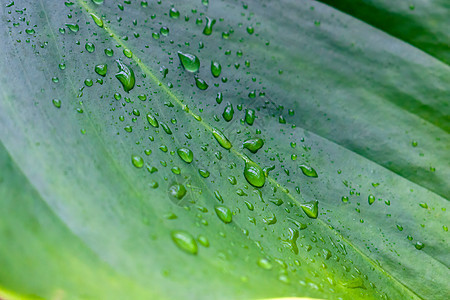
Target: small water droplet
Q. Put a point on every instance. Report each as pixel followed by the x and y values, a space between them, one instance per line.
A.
pixel 185 241
pixel 174 13
pixel 56 103
pixel 89 47
pixel 371 199
pixel 250 116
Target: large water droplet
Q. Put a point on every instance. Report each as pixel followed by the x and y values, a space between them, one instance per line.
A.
pixel 152 120
pixel 97 20
pixel 308 171
pixel 221 138
pixel 201 84
pixel 249 116
pixel 209 26
pixel 190 62
pixel 311 209
pixel 177 191
pixel 185 241
pixel 101 70
pixel 253 173
pixel 224 213
pixel 253 145
pixel 216 68
pixel 185 154
pixel 137 161
pixel 228 112
pixel 125 76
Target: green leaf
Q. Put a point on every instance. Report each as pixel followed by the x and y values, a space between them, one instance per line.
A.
pixel 123 176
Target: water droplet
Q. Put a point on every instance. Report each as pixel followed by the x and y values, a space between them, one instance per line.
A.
pixel 224 213
pixel 185 241
pixel 371 199
pixel 30 31
pixel 109 52
pixel 56 103
pixel 203 240
pixel 419 245
pixel 125 76
pixel 228 112
pixel 249 116
pixel 89 47
pixel 201 84
pixel 101 70
pixel 204 173
pixel 250 30
pixel 308 171
pixel 97 20
pixel 190 62
pixel 253 173
pixel 166 128
pixel 152 120
pixel 137 161
pixel 311 209
pixel 264 263
pixel 164 31
pixel 221 138
pixel 127 53
pixel 177 191
pixel 216 69
pixel 344 199
pixel 253 145
pixel 423 205
pixel 98 2
pixel 174 13
pixel 209 26
pixel 185 154
pixel 73 27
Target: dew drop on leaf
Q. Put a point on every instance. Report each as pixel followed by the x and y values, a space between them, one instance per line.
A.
pixel 97 20
pixel 224 213
pixel 209 26
pixel 216 69
pixel 185 241
pixel 137 161
pixel 308 171
pixel 125 76
pixel 56 103
pixel 185 154
pixel 253 173
pixel 101 70
pixel 253 145
pixel 190 62
pixel 371 199
pixel 177 191
pixel 221 138
pixel 201 84
pixel 311 209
